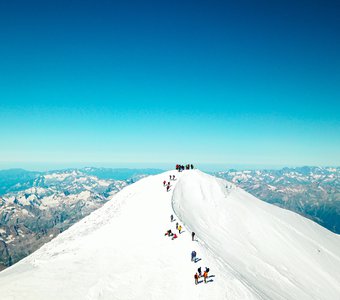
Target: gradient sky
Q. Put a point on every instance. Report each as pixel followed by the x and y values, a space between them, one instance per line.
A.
pixel 239 82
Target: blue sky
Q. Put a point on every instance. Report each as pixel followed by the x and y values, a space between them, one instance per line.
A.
pixel 118 82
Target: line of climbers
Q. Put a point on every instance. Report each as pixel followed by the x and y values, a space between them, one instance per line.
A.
pixel 167 184
pixel 178 227
pixel 193 253
pixel 198 274
pixel 174 236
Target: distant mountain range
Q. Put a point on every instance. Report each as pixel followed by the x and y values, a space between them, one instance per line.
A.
pixel 313 192
pixel 37 206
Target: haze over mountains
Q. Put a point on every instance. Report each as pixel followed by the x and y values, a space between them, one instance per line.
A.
pixel 254 250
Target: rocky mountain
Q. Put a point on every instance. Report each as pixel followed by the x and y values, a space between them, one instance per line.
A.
pixel 16 179
pixel 313 192
pixel 36 207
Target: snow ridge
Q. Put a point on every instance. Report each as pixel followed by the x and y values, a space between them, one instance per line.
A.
pixel 254 250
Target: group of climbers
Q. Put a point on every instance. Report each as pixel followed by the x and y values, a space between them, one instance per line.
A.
pixel 178 227
pixel 181 168
pixel 199 274
pixel 168 184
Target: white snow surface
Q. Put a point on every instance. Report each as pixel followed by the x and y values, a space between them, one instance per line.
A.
pixel 254 250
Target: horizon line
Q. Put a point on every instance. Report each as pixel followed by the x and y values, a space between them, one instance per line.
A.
pixel 212 167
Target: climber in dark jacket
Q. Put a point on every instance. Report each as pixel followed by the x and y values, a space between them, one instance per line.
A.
pixel 193 255
pixel 193 236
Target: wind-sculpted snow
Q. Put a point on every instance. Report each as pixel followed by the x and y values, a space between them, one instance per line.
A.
pixel 254 250
pixel 276 253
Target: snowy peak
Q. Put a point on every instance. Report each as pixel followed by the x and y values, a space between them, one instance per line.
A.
pixel 254 250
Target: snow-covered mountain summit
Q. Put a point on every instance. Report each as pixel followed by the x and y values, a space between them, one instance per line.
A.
pixel 254 250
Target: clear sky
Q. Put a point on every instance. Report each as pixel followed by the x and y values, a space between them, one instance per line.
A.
pixel 225 82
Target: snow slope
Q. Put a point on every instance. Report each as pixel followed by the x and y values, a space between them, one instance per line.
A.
pixel 254 250
pixel 276 253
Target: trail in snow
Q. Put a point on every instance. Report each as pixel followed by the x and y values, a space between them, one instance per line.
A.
pixel 254 249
